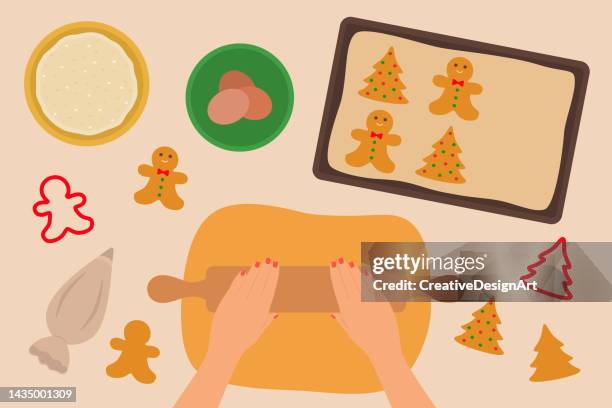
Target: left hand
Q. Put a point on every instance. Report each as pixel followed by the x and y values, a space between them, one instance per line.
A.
pixel 244 312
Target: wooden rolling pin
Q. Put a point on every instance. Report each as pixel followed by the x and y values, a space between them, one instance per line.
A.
pixel 299 289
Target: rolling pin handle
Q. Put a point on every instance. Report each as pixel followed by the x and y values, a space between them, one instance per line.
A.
pixel 164 289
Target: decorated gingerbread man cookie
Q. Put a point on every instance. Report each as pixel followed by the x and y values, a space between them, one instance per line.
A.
pixel 457 90
pixel 134 353
pixel 374 142
pixel 162 179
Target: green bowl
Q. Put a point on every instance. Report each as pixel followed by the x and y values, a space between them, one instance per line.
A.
pixel 266 71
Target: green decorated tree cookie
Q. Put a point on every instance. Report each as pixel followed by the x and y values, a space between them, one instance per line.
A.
pixel 481 333
pixel 384 84
pixel 444 163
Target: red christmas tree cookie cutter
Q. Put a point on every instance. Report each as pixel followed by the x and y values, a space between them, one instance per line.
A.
pixel 567 265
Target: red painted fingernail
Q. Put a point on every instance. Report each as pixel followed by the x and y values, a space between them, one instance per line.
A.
pixel 332 316
pixel 257 264
pixel 275 316
pixel 242 272
pixel 352 264
pixel 267 260
pixel 333 264
pixel 340 261
pixel 275 264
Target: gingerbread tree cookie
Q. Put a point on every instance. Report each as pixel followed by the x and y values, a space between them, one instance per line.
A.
pixel 373 143
pixel 551 363
pixel 444 163
pixel 481 333
pixel 384 84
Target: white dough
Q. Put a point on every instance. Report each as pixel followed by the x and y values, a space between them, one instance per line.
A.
pixel 86 84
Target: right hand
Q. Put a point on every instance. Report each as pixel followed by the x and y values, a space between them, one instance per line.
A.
pixel 371 325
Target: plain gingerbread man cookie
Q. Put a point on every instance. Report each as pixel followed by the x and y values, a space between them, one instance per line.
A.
pixel 134 353
pixel 457 90
pixel 162 180
pixel 374 142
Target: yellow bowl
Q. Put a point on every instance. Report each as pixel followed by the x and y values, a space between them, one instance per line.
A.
pixel 140 69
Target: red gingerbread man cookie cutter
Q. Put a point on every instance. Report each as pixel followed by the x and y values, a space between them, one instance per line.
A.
pixel 49 215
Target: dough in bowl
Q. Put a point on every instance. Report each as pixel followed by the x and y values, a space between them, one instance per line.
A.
pixel 86 84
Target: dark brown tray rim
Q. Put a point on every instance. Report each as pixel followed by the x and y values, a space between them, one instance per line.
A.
pixel 322 169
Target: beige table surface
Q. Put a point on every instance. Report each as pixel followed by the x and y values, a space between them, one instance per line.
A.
pixel 150 240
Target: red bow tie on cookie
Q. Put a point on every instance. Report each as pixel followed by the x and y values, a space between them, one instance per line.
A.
pixel 378 135
pixel 460 83
pixel 166 172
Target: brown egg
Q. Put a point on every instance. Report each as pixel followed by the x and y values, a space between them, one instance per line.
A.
pixel 260 104
pixel 228 106
pixel 233 80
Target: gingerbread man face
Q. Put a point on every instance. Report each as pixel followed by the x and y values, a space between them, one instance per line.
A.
pixel 165 158
pixel 380 121
pixel 137 331
pixel 460 68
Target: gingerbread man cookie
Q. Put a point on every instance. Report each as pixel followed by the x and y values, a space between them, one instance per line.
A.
pixel 162 179
pixel 134 353
pixel 457 90
pixel 374 142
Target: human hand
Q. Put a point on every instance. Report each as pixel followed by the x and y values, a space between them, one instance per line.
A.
pixel 244 312
pixel 371 325
pixel 240 319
